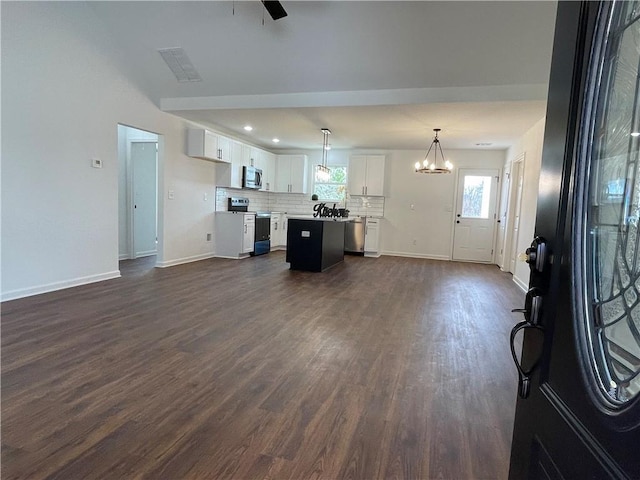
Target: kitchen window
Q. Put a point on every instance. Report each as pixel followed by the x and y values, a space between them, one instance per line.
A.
pixel 335 188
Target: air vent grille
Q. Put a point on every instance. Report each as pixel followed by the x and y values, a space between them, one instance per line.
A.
pixel 179 63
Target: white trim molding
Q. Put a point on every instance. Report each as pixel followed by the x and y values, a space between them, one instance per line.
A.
pixel 52 287
pixel 523 286
pixel 180 261
pixel 416 255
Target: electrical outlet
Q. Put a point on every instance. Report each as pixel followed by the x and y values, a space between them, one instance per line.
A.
pixel 96 163
pixel 170 195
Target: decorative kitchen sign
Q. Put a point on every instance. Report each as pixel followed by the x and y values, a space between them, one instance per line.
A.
pixel 321 210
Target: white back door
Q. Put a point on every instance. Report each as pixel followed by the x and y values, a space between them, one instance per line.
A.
pixel 474 230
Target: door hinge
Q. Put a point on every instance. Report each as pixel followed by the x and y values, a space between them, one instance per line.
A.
pixel 494 216
pixel 491 251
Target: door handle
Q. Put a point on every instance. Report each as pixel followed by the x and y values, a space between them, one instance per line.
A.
pixel 532 306
pixel 536 254
pixel 524 376
pixel 457 221
pixel 532 312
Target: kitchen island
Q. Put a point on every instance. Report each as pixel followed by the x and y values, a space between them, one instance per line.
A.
pixel 314 244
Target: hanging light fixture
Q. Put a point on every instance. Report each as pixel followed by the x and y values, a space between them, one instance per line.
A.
pixel 322 171
pixel 444 166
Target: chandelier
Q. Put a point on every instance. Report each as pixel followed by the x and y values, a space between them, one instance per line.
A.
pixel 444 166
pixel 322 171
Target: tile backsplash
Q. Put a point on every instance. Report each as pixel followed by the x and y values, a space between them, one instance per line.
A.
pixel 296 203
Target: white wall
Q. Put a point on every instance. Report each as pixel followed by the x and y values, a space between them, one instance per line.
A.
pixel 62 101
pixel 531 145
pixel 430 221
pixel 63 98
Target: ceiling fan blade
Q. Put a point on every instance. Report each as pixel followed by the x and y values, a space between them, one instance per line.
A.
pixel 274 8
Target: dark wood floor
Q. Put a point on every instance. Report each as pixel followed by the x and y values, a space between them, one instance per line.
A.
pixel 378 368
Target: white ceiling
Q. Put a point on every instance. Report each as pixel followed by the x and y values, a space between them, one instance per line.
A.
pixel 379 74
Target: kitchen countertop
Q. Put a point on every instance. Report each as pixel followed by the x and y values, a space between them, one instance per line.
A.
pixel 318 219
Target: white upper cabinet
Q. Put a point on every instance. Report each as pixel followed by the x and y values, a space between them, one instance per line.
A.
pixel 230 174
pixel 236 164
pixel 366 175
pixel 266 161
pixel 291 173
pixel 224 149
pixel 207 145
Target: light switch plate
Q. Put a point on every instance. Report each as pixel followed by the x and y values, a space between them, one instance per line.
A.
pixel 170 195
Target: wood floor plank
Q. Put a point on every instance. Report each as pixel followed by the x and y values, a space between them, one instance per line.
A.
pixel 378 368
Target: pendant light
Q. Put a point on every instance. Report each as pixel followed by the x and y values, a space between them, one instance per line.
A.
pixel 444 166
pixel 323 173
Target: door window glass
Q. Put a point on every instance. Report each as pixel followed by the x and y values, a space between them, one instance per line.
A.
pixel 476 196
pixel 608 213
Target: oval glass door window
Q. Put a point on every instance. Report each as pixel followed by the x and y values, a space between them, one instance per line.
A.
pixel 607 211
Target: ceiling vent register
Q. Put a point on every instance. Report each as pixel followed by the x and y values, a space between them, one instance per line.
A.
pixel 179 63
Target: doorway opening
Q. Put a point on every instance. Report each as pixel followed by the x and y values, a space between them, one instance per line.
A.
pixel 138 195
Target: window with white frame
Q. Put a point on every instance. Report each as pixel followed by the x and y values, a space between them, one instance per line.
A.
pixel 335 188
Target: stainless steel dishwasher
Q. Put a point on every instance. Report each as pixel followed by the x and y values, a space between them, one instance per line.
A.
pixel 354 235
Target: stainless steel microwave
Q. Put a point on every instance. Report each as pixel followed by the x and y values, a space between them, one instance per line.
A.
pixel 251 177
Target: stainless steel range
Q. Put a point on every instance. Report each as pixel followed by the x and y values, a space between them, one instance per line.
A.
pixel 262 242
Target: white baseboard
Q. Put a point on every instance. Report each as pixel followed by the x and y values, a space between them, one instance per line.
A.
pixel 123 256
pixel 523 286
pixel 52 287
pixel 147 253
pixel 416 255
pixel 180 261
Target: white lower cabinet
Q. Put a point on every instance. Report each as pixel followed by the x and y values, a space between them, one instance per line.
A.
pixel 285 225
pixel 275 231
pixel 235 234
pixel 278 232
pixel 249 236
pixel 372 237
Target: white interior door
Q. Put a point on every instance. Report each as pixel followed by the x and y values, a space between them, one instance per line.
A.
pixel 502 217
pixel 474 231
pixel 518 176
pixel 145 198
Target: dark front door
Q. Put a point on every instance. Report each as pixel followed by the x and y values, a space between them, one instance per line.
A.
pixel 578 411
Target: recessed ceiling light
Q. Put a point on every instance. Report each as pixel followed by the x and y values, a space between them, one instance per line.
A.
pixel 248 128
pixel 635 134
pixel 276 140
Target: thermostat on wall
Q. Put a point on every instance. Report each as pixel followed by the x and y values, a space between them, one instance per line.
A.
pixel 96 163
